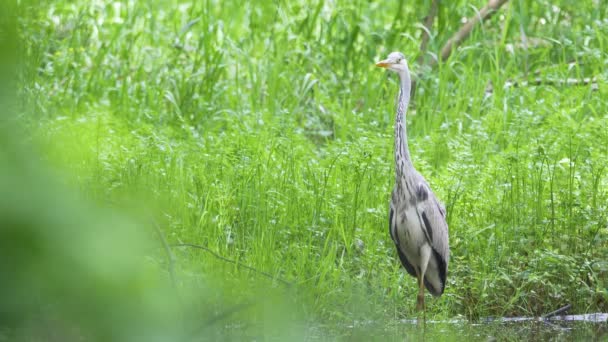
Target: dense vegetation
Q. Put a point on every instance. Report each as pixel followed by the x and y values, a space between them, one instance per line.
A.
pixel 263 132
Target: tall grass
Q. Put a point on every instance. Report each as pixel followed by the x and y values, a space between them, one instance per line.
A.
pixel 264 133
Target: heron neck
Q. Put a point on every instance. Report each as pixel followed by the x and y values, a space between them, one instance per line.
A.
pixel 402 152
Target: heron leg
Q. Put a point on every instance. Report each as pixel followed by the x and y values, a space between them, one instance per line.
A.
pixel 425 255
pixel 420 299
pixel 420 302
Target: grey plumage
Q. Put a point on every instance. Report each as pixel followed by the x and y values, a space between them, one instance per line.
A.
pixel 417 222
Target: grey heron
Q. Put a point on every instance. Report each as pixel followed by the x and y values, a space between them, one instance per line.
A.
pixel 417 222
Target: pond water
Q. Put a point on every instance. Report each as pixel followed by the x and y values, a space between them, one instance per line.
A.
pixel 495 331
pixel 500 329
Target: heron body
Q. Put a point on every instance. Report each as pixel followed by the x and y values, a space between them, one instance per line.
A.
pixel 417 222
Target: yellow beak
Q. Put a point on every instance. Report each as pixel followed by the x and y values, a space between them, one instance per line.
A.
pixel 383 64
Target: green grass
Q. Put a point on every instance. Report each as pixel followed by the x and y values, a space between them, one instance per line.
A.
pixel 263 132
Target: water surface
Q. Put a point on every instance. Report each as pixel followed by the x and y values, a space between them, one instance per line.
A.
pixel 494 331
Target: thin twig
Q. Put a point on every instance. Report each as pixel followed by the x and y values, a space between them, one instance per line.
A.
pixel 170 256
pixel 465 30
pixel 266 274
pixel 557 312
pixel 171 265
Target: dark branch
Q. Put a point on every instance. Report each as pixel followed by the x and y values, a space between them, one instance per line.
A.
pixel 465 30
pixel 199 331
pixel 427 24
pixel 266 274
pixel 456 39
pixel 557 312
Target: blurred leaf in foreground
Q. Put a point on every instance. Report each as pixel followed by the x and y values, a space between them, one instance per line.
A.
pixel 69 271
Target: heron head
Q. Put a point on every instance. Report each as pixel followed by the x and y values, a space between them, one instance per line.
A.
pixel 395 62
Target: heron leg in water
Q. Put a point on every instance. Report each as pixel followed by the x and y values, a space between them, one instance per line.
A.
pixel 420 302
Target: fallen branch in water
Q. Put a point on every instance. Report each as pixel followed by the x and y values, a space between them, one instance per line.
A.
pixel 591 318
pixel 598 317
pixel 566 82
pixel 570 82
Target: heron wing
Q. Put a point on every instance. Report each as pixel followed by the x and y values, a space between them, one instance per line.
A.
pixel 392 227
pixel 432 215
